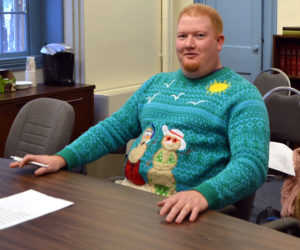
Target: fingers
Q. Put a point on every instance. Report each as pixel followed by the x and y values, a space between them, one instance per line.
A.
pixel 29 158
pixel 176 212
pixel 54 163
pixel 177 207
pixel 180 212
pixel 173 206
pixel 166 205
pixel 194 214
pixel 14 164
pixel 22 163
pixel 41 171
pixel 184 211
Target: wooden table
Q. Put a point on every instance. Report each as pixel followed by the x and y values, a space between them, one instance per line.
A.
pixel 109 216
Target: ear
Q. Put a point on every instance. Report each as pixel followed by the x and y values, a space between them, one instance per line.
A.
pixel 220 41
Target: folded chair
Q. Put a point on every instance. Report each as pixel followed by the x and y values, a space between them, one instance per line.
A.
pixel 42 126
pixel 271 78
pixel 284 114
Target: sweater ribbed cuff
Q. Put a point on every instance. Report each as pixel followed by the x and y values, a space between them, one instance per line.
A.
pixel 69 157
pixel 210 194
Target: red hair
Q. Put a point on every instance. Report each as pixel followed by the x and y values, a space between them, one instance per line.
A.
pixel 204 10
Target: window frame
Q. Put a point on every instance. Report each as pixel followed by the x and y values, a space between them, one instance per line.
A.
pixel 16 12
pixel 44 25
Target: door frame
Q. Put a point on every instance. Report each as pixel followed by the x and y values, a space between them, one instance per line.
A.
pixel 269 28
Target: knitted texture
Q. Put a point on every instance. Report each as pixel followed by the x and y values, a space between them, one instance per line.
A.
pixel 209 134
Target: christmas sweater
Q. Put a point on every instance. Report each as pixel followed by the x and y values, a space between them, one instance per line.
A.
pixel 209 134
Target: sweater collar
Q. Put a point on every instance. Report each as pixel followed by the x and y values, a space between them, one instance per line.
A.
pixel 212 75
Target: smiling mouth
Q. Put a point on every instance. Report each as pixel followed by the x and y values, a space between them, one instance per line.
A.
pixel 190 55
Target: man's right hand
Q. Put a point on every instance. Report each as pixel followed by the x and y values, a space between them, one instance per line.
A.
pixel 54 163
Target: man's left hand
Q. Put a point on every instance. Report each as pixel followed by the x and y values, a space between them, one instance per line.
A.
pixel 179 205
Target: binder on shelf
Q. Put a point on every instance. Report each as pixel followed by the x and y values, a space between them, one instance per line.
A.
pixel 298 59
pixel 291 28
pixel 293 31
pixel 293 61
pixel 287 54
pixel 288 69
pixel 282 55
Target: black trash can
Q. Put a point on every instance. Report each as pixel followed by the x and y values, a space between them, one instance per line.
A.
pixel 58 64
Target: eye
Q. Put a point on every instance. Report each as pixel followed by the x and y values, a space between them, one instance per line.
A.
pixel 199 35
pixel 175 140
pixel 168 138
pixel 181 36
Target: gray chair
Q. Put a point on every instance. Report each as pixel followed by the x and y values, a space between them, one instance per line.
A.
pixel 284 118
pixel 271 78
pixel 42 126
pixel 284 115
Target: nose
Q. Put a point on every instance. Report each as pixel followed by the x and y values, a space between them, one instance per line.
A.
pixel 190 43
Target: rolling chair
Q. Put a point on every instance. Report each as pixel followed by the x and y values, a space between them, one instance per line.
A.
pixel 42 126
pixel 271 78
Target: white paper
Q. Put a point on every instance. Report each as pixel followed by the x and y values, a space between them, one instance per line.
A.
pixel 281 158
pixel 27 205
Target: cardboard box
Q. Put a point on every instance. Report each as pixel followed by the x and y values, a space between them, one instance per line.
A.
pixel 7 81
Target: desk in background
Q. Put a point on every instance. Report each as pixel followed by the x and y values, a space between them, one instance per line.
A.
pixel 109 216
pixel 80 96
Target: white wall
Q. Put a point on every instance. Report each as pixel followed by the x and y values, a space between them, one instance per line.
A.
pixel 121 42
pixel 287 14
pixel 20 75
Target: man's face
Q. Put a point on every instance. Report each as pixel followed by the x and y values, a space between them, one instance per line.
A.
pixel 197 46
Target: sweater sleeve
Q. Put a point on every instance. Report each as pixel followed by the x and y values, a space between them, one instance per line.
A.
pixel 249 135
pixel 106 136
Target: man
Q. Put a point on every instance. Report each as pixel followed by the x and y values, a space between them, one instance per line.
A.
pixel 210 146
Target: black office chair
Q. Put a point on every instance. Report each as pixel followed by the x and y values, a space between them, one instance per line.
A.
pixel 271 78
pixel 42 126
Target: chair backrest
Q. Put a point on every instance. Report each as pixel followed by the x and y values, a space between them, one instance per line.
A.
pixel 42 126
pixel 284 115
pixel 284 118
pixel 271 78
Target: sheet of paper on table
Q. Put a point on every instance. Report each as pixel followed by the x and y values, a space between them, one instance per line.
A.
pixel 281 158
pixel 28 205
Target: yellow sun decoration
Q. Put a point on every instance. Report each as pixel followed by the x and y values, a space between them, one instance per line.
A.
pixel 218 87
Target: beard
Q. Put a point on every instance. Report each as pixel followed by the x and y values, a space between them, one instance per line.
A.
pixel 190 66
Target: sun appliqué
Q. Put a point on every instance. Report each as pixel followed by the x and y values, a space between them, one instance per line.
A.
pixel 217 87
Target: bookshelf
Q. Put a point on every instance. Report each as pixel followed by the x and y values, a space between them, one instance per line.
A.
pixel 286 56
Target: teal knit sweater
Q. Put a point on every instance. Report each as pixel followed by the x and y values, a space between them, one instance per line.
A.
pixel 209 134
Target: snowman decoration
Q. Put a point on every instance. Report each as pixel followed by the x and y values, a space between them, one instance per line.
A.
pixel 160 176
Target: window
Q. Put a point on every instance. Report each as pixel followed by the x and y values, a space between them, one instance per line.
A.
pixel 13 27
pixel 26 25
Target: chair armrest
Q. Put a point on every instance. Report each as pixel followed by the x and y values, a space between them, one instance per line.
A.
pixel 283 224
